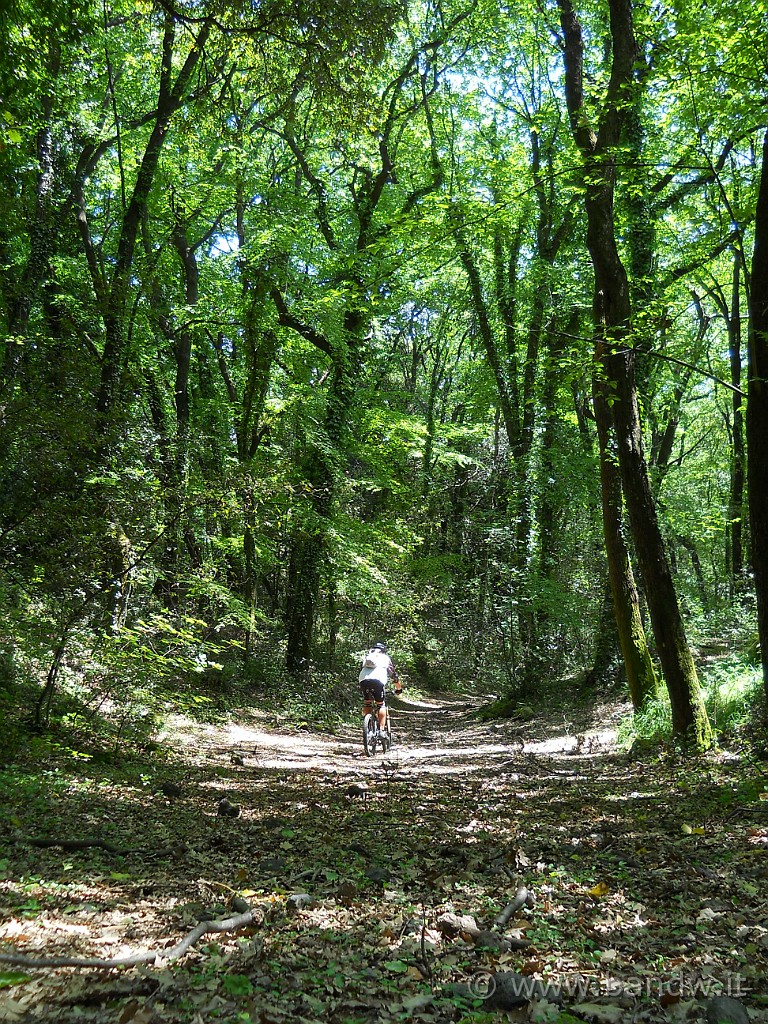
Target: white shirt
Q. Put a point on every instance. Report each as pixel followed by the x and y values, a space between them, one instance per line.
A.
pixel 377 667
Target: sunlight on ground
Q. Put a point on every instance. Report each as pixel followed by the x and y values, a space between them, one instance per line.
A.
pixel 442 744
pixel 304 750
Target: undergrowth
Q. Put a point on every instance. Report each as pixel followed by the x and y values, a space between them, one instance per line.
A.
pixel 732 693
pixel 109 714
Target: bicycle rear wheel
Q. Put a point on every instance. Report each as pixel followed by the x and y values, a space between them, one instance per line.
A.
pixel 370 735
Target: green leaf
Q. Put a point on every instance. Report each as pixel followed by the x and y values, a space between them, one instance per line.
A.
pixel 237 984
pixel 9 978
pixel 396 966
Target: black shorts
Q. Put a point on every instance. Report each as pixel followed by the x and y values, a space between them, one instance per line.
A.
pixel 372 690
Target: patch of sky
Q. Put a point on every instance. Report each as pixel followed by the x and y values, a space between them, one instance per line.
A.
pixel 224 243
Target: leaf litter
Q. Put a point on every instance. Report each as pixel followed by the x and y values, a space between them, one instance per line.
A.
pixel 647 879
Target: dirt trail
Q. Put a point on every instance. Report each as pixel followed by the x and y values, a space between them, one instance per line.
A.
pixel 638 871
pixel 431 737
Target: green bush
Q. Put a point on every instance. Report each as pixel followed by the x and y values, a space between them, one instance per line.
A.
pixel 8 672
pixel 12 732
pixel 650 724
pixel 731 692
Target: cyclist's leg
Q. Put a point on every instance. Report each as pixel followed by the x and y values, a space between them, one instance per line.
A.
pixel 370 735
pixel 381 708
pixel 384 731
pixel 368 694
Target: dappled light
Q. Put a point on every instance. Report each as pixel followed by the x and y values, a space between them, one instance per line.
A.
pixel 636 872
pixel 409 356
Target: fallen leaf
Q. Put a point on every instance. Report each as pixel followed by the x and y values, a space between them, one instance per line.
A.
pixel 10 1009
pixel 396 966
pixel 9 978
pixel 595 1011
pixel 600 889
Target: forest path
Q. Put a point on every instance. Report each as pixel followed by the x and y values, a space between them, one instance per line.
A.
pixel 648 879
pixel 436 736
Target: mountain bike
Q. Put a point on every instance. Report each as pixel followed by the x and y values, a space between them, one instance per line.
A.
pixel 374 735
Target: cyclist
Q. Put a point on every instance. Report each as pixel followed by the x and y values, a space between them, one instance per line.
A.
pixel 376 670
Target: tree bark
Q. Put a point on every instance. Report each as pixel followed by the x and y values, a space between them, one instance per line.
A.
pixel 736 501
pixel 730 310
pixel 309 544
pixel 301 600
pixel 346 352
pixel 757 412
pixel 612 303
pixel 641 675
pixel 42 231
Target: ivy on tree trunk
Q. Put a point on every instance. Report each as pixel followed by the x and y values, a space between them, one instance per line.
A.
pixel 613 308
pixel 757 411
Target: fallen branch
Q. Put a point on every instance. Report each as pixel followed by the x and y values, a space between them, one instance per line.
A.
pixel 465 926
pixel 104 844
pixel 83 844
pixel 724 1010
pixel 228 924
pixel 506 990
pixel 522 898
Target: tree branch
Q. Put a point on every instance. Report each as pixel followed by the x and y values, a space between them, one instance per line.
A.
pixel 286 319
pixel 226 925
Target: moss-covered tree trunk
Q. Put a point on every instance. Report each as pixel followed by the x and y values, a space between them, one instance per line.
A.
pixel 42 233
pixel 689 718
pixel 757 412
pixel 641 675
pixel 171 95
pixel 612 304
pixel 735 551
pixel 309 544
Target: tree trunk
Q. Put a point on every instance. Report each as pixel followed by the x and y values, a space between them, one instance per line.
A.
pixel 174 442
pixel 187 253
pixel 301 600
pixel 171 96
pixel 641 675
pixel 757 412
pixel 346 351
pixel 689 718
pixel 607 653
pixel 689 545
pixel 612 302
pixel 309 544
pixel 736 501
pixel 333 628
pixel 42 232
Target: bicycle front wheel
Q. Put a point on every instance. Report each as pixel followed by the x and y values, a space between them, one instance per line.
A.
pixel 369 735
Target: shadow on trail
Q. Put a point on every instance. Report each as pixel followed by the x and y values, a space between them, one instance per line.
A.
pixel 442 735
pixel 455 816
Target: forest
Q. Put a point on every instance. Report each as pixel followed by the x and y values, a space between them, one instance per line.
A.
pixel 440 323
pixel 436 323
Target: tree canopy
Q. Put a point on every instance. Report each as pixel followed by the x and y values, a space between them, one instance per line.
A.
pixel 436 322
